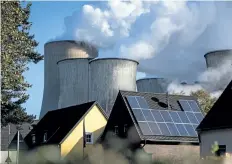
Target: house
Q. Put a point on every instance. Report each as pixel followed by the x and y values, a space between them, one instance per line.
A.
pixel 217 125
pixel 64 128
pixel 9 140
pixel 160 125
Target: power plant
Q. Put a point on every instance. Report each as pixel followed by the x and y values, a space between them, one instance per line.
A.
pixel 108 76
pixel 73 74
pixel 54 52
pixel 216 58
pixel 155 85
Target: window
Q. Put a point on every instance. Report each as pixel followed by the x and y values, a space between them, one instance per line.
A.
pixel 45 137
pixel 116 130
pixel 221 150
pixel 33 138
pixel 125 128
pixel 89 138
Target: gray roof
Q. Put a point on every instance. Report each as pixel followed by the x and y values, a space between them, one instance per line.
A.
pixel 162 97
pixel 24 130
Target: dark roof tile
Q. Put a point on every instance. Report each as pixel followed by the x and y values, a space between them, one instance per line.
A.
pixel 221 113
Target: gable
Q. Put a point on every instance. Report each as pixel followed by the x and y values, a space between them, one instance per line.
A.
pixel 120 117
pixel 221 113
pixel 95 122
pixel 57 124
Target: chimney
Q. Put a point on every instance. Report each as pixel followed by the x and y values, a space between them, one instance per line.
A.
pixel 167 99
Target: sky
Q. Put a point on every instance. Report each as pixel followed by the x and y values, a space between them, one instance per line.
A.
pixel 169 39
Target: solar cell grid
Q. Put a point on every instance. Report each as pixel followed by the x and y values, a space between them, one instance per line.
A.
pixel 185 105
pixel 190 130
pixel 192 117
pixel 142 102
pixel 163 122
pixel 138 114
pixel 199 116
pixel 164 129
pixel 182 130
pixel 148 115
pixel 145 128
pixel 166 116
pixel 133 102
pixel 194 106
pixel 175 117
pixel 172 128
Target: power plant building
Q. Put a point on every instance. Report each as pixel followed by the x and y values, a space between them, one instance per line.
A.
pixel 108 76
pixel 216 58
pixel 54 52
pixel 74 81
pixel 154 85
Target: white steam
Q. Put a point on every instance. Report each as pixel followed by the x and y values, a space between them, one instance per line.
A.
pixel 169 38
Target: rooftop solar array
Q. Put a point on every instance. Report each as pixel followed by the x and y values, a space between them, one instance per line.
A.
pixel 166 122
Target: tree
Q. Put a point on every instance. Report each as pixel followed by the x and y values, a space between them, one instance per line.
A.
pixel 17 50
pixel 205 100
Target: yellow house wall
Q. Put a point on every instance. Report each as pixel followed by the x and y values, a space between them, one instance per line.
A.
pixel 95 123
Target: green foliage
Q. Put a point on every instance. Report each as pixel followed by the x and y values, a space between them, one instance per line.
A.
pixel 17 50
pixel 205 100
pixel 214 147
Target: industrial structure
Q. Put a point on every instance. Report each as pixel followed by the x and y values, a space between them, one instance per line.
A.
pixel 108 76
pixel 216 58
pixel 74 81
pixel 74 75
pixel 54 52
pixel 155 85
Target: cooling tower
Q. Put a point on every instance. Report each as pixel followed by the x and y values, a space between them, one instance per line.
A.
pixel 216 58
pixel 54 52
pixel 73 81
pixel 154 85
pixel 108 76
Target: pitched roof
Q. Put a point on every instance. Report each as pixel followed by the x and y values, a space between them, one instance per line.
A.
pixel 221 113
pixel 5 138
pixel 160 98
pixel 59 122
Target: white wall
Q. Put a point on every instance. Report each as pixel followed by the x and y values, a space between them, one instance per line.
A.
pixel 223 137
pixel 4 155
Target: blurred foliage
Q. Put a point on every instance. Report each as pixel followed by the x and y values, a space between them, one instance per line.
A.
pixel 17 50
pixel 205 100
pixel 214 147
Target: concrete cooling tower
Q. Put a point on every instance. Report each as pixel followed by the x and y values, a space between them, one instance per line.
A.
pixel 108 76
pixel 74 81
pixel 54 52
pixel 154 85
pixel 216 58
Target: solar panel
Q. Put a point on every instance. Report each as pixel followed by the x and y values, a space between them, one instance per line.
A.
pixel 185 106
pixel 182 130
pixel 133 102
pixel 166 116
pixel 172 128
pixel 145 128
pixel 190 130
pixel 148 115
pixel 192 118
pixel 142 102
pixel 156 114
pixel 194 106
pixel 165 122
pixel 164 129
pixel 175 117
pixel 154 128
pixel 138 114
pixel 183 117
pixel 199 116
